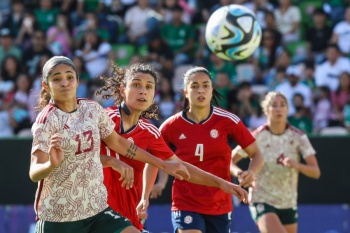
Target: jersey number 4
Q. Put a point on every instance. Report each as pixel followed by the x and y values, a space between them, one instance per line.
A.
pixel 199 151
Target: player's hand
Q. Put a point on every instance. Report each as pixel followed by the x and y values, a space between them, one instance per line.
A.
pixel 126 173
pixel 141 209
pixel 246 178
pixel 236 190
pixel 176 169
pixel 156 190
pixel 288 162
pixel 56 154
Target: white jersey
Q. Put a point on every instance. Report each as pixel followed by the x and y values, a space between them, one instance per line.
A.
pixel 276 184
pixel 74 190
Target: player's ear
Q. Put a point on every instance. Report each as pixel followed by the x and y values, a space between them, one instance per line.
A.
pixel 185 93
pixel 46 87
pixel 122 91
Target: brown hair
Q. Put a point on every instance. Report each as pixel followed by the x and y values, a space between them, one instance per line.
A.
pixel 120 76
pixel 265 103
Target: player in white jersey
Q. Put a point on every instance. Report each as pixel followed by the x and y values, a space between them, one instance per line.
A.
pixel 66 161
pixel 273 196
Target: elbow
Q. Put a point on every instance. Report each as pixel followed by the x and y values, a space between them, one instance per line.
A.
pixel 317 174
pixel 34 178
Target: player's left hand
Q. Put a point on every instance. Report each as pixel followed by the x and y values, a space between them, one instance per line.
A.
pixel 126 173
pixel 236 190
pixel 141 208
pixel 288 162
pixel 176 169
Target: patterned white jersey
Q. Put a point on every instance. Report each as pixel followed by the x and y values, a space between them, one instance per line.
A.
pixel 276 184
pixel 74 190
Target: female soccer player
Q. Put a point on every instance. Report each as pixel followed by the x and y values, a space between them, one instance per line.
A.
pixel 65 157
pixel 274 195
pixel 134 89
pixel 200 135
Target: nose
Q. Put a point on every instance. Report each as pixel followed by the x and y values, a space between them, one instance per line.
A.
pixel 64 82
pixel 142 90
pixel 200 90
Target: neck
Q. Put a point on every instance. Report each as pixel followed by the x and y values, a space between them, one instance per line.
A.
pixel 129 119
pixel 198 114
pixel 66 106
pixel 277 127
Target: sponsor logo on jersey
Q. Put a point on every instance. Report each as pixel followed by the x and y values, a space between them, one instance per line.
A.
pixel 182 136
pixel 131 139
pixel 188 219
pixel 214 133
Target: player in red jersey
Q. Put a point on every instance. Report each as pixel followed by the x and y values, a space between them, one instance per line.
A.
pixel 200 136
pixel 134 89
pixel 273 198
pixel 65 158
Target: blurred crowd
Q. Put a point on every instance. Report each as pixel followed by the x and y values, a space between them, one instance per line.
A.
pixel 304 52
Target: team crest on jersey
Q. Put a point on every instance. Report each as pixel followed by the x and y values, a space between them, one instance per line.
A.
pixel 188 219
pixel 214 133
pixel 131 139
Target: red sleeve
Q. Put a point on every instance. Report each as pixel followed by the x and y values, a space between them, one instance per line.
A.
pixel 242 135
pixel 163 130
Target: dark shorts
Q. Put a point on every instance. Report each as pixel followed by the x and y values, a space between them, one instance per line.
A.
pixel 186 220
pixel 286 216
pixel 108 221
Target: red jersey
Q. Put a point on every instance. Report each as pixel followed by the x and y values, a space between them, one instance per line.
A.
pixel 147 137
pixel 205 145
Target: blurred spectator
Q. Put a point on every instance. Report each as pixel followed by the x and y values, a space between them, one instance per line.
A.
pixel 288 18
pixel 28 26
pixel 31 56
pixel 223 85
pixel 218 65
pixel 159 54
pixel 166 11
pixel 309 75
pixel 46 14
pixel 327 73
pixel 180 37
pixel 257 119
pixel 7 46
pixel 340 98
pixel 336 9
pixel 96 53
pixel 271 24
pixel 202 51
pixel 318 35
pixel 248 102
pixel 14 20
pixel 259 7
pixel 283 61
pixel 264 57
pixel 7 122
pixel 59 36
pixel 279 77
pixel 301 118
pixel 323 109
pixel 90 23
pixel 346 113
pixel 218 5
pixel 84 77
pixel 293 86
pixel 341 34
pixel 166 100
pixel 9 71
pixel 139 29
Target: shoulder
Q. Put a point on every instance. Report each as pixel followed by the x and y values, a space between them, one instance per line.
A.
pixel 113 112
pixel 45 113
pixel 226 115
pixel 171 120
pixel 149 127
pixel 260 130
pixel 296 131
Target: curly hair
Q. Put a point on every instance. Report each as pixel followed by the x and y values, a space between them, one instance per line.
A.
pixel 119 76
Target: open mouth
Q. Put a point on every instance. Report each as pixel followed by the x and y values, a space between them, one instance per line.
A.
pixel 142 100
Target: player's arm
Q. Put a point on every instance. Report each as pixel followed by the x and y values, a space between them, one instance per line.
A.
pixel 198 176
pixel 159 186
pixel 148 179
pixel 126 148
pixel 42 164
pixel 310 169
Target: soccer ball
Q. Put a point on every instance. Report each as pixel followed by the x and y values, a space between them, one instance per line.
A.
pixel 232 32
